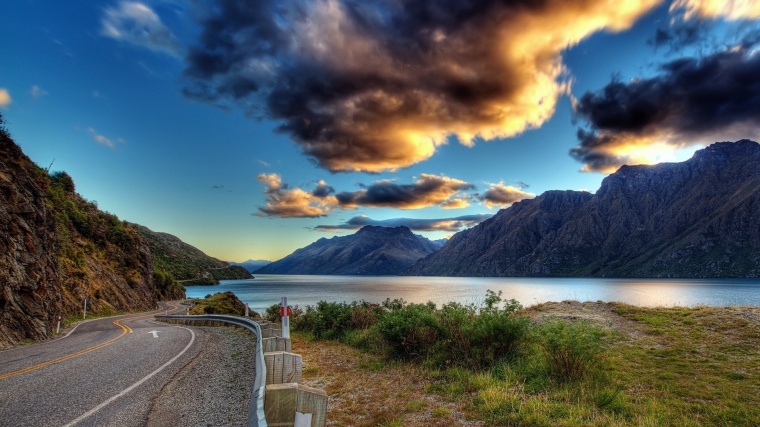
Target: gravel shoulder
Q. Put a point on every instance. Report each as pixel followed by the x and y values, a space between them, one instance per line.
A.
pixel 214 388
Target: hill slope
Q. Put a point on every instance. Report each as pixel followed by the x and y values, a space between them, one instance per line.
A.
pixel 187 263
pixel 697 218
pixel 56 249
pixel 370 251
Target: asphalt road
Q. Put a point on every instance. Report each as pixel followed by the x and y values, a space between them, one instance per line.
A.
pixel 105 373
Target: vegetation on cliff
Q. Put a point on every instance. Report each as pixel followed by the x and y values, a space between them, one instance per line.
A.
pixel 187 263
pixel 58 249
pixel 219 303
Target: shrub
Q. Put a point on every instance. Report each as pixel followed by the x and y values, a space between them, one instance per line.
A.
pixel 411 332
pixel 572 350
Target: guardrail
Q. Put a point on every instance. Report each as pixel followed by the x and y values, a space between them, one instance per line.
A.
pixel 256 416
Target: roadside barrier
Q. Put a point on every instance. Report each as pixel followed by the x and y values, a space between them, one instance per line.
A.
pixel 278 376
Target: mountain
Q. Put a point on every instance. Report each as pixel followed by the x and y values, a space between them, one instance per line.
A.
pixel 698 218
pixel 186 263
pixel 252 264
pixel 370 251
pixel 56 249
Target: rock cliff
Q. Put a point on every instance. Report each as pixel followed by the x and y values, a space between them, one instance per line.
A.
pixel 56 249
pixel 370 251
pixel 697 218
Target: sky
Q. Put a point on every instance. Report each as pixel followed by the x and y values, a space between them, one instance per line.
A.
pixel 250 129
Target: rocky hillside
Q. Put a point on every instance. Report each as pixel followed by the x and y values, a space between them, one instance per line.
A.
pixel 698 218
pixel 186 263
pixel 370 251
pixel 56 249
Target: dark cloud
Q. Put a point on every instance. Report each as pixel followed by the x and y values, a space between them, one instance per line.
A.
pixel 428 190
pixel 692 101
pixel 503 195
pixel 454 224
pixel 379 85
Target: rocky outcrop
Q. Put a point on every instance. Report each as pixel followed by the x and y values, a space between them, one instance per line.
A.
pixel 370 251
pixel 56 249
pixel 692 219
pixel 31 296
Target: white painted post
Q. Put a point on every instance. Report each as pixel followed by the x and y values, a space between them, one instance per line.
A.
pixel 285 315
pixel 246 309
pixel 58 328
pixel 84 311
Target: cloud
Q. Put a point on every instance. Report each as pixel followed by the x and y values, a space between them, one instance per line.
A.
pixel 293 203
pixel 37 92
pixel 503 195
pixel 375 86
pixel 137 24
pixel 5 97
pixel 417 224
pixel 103 140
pixel 733 10
pixel 428 190
pixel 693 101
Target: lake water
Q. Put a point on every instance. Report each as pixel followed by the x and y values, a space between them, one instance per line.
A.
pixel 266 290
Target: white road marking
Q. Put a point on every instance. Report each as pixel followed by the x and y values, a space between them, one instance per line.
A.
pixel 137 384
pixel 155 334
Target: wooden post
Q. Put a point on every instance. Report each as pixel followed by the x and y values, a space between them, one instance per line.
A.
pixel 276 344
pixel 283 367
pixel 282 401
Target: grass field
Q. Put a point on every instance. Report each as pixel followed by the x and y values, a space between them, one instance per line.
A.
pixel 641 367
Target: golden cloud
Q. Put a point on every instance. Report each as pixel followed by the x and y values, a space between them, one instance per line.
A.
pixel 376 87
pixel 733 10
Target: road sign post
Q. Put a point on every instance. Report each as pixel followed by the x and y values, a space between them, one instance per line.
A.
pixel 285 316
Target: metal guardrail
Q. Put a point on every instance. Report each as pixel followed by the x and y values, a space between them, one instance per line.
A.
pixel 256 416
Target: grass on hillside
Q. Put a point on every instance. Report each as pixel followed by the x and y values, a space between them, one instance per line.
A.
pixel 589 364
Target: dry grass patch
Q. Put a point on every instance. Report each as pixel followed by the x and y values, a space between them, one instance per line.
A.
pixel 366 390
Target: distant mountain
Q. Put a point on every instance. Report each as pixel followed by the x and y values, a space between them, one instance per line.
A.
pixel 252 264
pixel 186 263
pixel 370 251
pixel 698 218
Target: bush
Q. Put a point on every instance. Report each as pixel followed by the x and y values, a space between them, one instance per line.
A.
pixel 411 332
pixel 572 350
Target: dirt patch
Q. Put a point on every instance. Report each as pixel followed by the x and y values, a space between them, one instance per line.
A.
pixel 602 313
pixel 366 390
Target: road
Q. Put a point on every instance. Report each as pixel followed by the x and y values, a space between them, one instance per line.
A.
pixel 105 373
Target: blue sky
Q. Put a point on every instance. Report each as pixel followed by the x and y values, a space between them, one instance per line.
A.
pixel 251 130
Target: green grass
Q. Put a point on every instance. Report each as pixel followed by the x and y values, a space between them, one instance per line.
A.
pixel 675 367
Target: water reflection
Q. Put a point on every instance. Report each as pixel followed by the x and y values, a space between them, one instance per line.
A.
pixel 266 290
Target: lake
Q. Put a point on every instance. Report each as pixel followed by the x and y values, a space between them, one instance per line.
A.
pixel 266 290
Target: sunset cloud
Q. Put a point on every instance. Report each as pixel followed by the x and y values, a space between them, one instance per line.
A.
pixel 503 195
pixel 379 86
pixel 728 9
pixel 428 190
pixel 137 24
pixel 293 203
pixel 5 97
pixel 694 101
pixel 454 224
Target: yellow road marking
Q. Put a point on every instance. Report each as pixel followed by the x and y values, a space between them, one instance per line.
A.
pixel 124 330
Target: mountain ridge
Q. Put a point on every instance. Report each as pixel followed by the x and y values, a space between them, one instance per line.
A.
pixel 687 219
pixel 373 250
